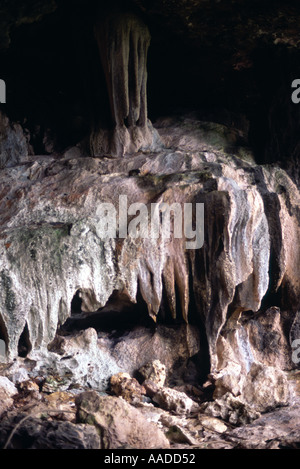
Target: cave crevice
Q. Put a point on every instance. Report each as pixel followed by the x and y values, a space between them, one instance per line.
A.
pixel 24 344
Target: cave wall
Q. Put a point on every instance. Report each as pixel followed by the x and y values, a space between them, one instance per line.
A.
pixel 229 63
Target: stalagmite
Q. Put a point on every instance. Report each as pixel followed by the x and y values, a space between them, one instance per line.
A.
pixel 123 41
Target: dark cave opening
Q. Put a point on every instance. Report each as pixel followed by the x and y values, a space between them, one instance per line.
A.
pixel 119 314
pixel 3 338
pixel 24 345
pixel 119 317
pixel 76 304
pixel 122 314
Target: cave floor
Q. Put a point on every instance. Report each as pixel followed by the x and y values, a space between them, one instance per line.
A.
pixel 277 429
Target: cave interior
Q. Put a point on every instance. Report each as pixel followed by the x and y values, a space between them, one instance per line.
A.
pixel 56 86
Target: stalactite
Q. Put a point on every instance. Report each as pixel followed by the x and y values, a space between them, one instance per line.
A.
pixel 123 41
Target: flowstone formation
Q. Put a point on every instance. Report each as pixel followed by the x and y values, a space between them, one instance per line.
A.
pixel 222 317
pixel 123 41
pixel 53 249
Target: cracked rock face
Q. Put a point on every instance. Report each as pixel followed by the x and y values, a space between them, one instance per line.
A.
pixel 52 247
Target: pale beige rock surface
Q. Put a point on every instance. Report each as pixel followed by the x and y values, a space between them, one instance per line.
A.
pixel 118 423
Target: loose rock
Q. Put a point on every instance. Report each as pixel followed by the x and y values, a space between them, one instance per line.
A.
pixel 34 433
pixel 175 401
pixel 154 371
pixel 127 387
pixel 266 388
pixel 118 422
pixel 231 409
pixel 7 390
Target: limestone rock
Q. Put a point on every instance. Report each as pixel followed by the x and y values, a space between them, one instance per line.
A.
pixel 123 41
pixel 175 401
pixel 179 434
pixel 231 409
pixel 150 387
pixel 7 386
pixel 229 379
pixel 212 424
pixel 263 388
pixel 266 388
pixel 78 360
pixel 154 371
pixel 268 340
pixel 122 384
pixel 241 401
pixel 259 338
pixel 7 390
pixel 52 247
pixel 35 433
pixel 119 423
pixel 19 375
pixel 273 430
pixel 173 347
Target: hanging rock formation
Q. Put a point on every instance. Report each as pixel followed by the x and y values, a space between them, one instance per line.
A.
pixel 52 247
pixel 123 41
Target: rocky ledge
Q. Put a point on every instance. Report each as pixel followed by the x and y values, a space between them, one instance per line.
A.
pixel 196 342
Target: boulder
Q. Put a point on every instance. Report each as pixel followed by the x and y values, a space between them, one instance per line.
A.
pixel 79 360
pixel 230 409
pixel 266 388
pixel 35 433
pixel 174 348
pixel 175 401
pixel 154 371
pixel 241 399
pixel 118 423
pixel 122 384
pixel 7 391
pixel 150 387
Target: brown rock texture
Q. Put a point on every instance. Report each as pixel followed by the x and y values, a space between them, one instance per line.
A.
pixel 118 423
pixel 35 433
pixel 154 371
pixel 125 386
pixel 175 401
pixel 266 388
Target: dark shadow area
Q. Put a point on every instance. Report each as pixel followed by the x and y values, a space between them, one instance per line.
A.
pixel 3 335
pixel 119 314
pixel 24 345
pixel 120 317
pixel 76 304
